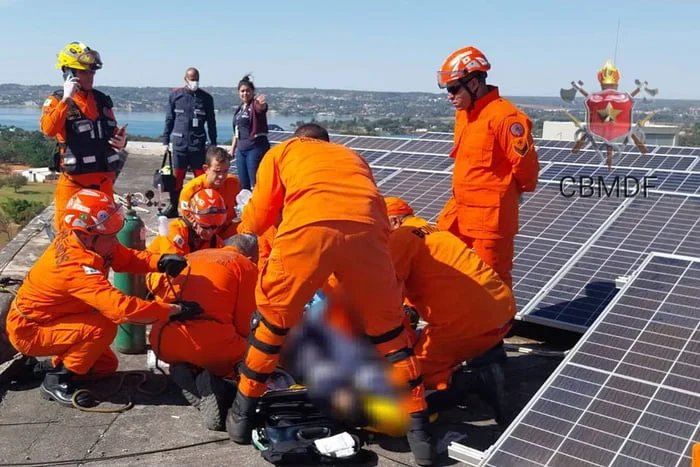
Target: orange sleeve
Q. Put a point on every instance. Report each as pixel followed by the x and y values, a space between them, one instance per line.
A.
pixel 268 196
pixel 404 245
pixel 53 118
pixel 127 260
pixel 92 287
pixel 515 137
pixel 245 297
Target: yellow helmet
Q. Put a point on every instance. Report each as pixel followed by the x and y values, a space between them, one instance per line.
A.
pixel 79 56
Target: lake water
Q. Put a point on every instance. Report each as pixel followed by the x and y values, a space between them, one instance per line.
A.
pixel 143 123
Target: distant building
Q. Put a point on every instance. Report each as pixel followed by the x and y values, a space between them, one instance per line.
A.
pixel 655 134
pixel 38 174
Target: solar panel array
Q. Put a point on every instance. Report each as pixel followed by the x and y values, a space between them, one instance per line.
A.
pixel 628 393
pixel 582 228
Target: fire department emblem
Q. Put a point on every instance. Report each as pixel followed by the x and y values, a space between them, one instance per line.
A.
pixel 609 123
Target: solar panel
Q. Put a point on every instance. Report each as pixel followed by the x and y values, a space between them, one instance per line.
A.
pixel 342 139
pixel 382 174
pixel 437 136
pixel 430 147
pixel 371 156
pixel 662 222
pixel 426 192
pixel 553 230
pixel 416 161
pixel 677 182
pixel 588 156
pixel 374 142
pixel 628 393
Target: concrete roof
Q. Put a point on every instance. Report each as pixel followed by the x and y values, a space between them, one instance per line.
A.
pixel 164 430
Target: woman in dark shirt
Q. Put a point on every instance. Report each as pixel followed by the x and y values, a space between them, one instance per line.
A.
pixel 250 141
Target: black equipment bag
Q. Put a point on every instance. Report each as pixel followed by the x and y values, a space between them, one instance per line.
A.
pixel 164 178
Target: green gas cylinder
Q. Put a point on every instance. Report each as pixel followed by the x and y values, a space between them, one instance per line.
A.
pixel 131 338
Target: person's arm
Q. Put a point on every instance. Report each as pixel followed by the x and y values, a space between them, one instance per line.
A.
pixel 211 121
pixel 234 140
pixel 134 261
pixel 53 117
pixel 515 138
pixel 169 120
pixel 94 289
pixel 268 195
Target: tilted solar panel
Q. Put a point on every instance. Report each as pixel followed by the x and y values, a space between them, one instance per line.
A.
pixel 677 182
pixel 628 393
pixel 373 142
pixel 661 222
pixel 437 136
pixel 415 161
pixel 426 192
pixel 428 147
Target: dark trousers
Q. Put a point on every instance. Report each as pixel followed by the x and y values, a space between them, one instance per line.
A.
pixel 247 163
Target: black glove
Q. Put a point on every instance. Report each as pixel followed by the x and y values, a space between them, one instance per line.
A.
pixel 172 264
pixel 188 310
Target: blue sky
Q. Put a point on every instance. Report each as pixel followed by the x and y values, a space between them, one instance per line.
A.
pixel 535 47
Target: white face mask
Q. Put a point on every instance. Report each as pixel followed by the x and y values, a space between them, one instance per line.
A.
pixel 193 85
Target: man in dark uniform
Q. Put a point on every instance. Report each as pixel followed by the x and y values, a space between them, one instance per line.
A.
pixel 189 109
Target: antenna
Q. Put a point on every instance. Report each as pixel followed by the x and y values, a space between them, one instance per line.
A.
pixel 617 40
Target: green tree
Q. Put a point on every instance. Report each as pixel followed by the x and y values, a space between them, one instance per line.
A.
pixel 21 211
pixel 16 181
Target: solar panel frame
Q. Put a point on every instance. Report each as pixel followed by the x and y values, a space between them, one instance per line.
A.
pixel 588 402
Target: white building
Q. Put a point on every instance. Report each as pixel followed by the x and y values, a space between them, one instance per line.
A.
pixel 36 174
pixel 655 134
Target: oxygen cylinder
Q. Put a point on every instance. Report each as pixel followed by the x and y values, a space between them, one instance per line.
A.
pixel 131 338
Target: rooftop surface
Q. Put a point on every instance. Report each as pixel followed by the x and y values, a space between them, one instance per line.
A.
pixel 163 429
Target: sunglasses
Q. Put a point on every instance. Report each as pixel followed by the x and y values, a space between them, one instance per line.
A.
pixel 454 88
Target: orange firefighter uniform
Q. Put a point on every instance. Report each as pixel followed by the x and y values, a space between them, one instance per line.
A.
pixel 223 282
pixel 67 307
pixel 467 307
pixel 333 221
pixel 97 171
pixel 495 161
pixel 228 190
pixel 181 240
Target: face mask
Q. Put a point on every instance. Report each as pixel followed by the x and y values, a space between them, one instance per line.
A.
pixel 193 85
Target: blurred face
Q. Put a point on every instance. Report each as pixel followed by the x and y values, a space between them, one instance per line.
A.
pixel 216 173
pixel 458 95
pixel 394 222
pixel 85 79
pixel 103 245
pixel 245 93
pixel 205 232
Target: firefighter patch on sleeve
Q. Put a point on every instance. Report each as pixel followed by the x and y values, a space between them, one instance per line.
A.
pixel 47 102
pixel 179 241
pixel 517 129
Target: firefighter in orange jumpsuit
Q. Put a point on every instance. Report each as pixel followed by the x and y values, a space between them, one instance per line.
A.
pixel 66 306
pixel 467 307
pixel 333 222
pixel 495 161
pixel 204 350
pixel 216 177
pixel 81 119
pixel 195 231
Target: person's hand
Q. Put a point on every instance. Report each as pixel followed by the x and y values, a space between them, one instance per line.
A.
pixel 260 99
pixel 172 264
pixel 69 87
pixel 118 141
pixel 187 310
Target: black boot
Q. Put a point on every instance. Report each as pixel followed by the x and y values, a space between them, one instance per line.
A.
pixel 58 386
pixel 420 439
pixel 171 210
pixel 485 377
pixel 216 397
pixel 183 375
pixel 240 418
pixel 41 367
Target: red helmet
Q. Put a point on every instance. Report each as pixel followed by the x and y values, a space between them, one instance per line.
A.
pixel 94 212
pixel 207 207
pixel 460 64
